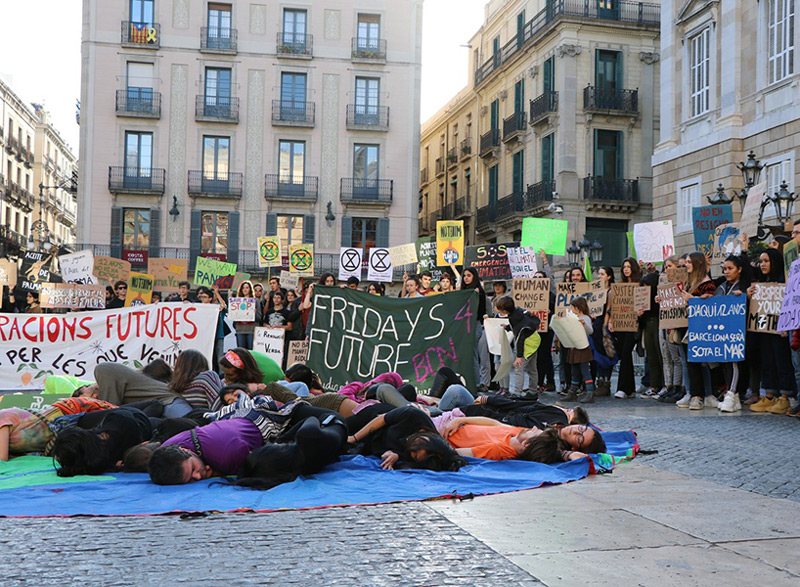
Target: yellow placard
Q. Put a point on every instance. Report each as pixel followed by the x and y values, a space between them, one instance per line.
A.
pixel 269 251
pixel 301 260
pixel 140 289
pixel 449 242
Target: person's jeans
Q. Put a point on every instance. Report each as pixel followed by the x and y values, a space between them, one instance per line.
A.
pixel 483 370
pixel 530 367
pixel 297 387
pixel 245 341
pixel 177 409
pixel 796 365
pixel 456 396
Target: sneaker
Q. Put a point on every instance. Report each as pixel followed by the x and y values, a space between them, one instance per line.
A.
pixel 684 401
pixel 753 399
pixel 659 397
pixel 671 396
pixel 795 411
pixel 641 389
pixel 793 403
pixel 730 403
pixel 621 395
pixel 781 406
pixel 550 387
pixel 586 398
pixel 572 395
pixel 696 403
pixel 649 393
pixel 763 404
pixel 711 402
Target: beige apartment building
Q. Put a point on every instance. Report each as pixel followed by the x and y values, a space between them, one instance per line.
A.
pixel 205 125
pixel 730 76
pixel 559 119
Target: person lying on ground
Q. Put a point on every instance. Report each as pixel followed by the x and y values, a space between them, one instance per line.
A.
pixel 328 400
pixel 524 413
pixel 194 382
pixel 402 437
pixel 249 367
pixel 356 390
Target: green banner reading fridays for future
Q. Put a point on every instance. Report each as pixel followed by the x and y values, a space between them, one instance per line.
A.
pixel 355 336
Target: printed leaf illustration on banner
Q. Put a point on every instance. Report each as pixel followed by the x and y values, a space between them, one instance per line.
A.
pixel 269 251
pixel 449 242
pixel 301 260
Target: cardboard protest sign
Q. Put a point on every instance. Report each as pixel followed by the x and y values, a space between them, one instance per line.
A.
pixel 533 295
pixel 671 307
pixel 413 337
pixel 593 291
pixel 490 261
pixel 270 342
pixel 677 275
pixel 726 242
pixel 717 329
pixel 570 331
pixel 623 314
pixel 748 223
pixel 290 281
pixel 380 265
pixel 705 220
pixel 167 273
pixel 36 270
pixel 494 328
pixel 140 290
pixel 242 309
pixel 110 269
pixel 641 299
pixel 34 346
pixel 522 262
pixel 269 251
pixel 426 258
pixel 654 241
pixel 301 260
pixel 790 254
pixel 77 267
pixel 209 272
pixel 298 352
pixel 349 263
pixel 765 307
pixel 238 279
pixel 73 296
pixel 8 273
pixel 545 233
pixel 403 255
pixel 790 308
pixel 449 242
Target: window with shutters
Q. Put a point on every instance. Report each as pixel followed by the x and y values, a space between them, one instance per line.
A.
pixel 364 234
pixel 688 197
pixel 290 229
pixel 700 72
pixel 214 233
pixel 780 40
pixel 135 229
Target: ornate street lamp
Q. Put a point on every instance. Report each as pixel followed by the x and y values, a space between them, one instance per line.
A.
pixel 585 245
pixel 174 212
pixel 720 198
pixel 783 201
pixel 751 170
pixel 596 252
pixel 574 254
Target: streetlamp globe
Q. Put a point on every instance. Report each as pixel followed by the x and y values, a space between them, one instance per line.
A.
pixel 720 198
pixel 596 254
pixel 783 201
pixel 573 254
pixel 751 170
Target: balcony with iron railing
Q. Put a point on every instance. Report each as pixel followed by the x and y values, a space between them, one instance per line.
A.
pixel 610 101
pixel 12 145
pixel 216 109
pixel 514 126
pixel 423 176
pixel 304 188
pixel 222 40
pixel 134 180
pixel 462 207
pixel 489 142
pixel 13 238
pixel 220 184
pixel 452 158
pixel 18 195
pixel 632 13
pixel 611 190
pixel 290 113
pixel 465 148
pixel 545 104
pixel 367 117
pixel 358 190
pixel 142 35
pixel 138 103
pixel 539 194
pixel 439 166
pixel 423 225
pixel 485 216
pixel 369 50
pixel 27 157
pixel 434 217
pixel 294 45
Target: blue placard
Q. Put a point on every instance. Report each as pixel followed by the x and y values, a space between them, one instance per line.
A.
pixel 716 329
pixel 704 220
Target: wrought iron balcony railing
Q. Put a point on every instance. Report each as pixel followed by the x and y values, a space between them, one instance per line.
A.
pixel 368 49
pixel 219 40
pixel 466 148
pixel 619 190
pixel 277 187
pixel 138 103
pixel 439 166
pixel 365 191
pixel 216 109
pixel 135 180
pixel 294 45
pixel 514 125
pixel 144 35
pixel 543 105
pixel 608 100
pixel 228 185
pixel 290 113
pixel 367 117
pixel 489 141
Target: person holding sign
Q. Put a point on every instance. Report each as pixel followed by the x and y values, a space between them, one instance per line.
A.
pixel 777 373
pixel 648 325
pixel 525 327
pixel 626 341
pixel 581 359
pixel 245 330
pixel 471 280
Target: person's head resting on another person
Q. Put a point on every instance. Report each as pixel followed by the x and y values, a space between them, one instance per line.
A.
pixel 230 393
pixel 353 282
pixel 239 366
pixel 545 446
pixel 175 465
pixel 159 370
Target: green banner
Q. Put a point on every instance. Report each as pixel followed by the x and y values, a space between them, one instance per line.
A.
pixel 549 234
pixel 208 271
pixel 354 336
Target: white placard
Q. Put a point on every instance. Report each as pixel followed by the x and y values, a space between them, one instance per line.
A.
pixel 380 265
pixel 350 263
pixel 403 255
pixel 270 342
pixel 242 309
pixel 290 281
pixel 78 267
pixel 653 241
pixel 748 223
pixel 522 261
pixel 495 332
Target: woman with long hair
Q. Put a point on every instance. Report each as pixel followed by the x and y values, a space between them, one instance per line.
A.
pixel 544 357
pixel 193 380
pixel 648 326
pixel 626 341
pixel 673 360
pixel 605 358
pixel 471 280
pixel 245 330
pixel 777 372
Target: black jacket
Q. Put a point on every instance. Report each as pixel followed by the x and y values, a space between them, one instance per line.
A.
pixel 523 324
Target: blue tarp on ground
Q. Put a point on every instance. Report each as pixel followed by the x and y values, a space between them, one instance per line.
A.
pixel 29 487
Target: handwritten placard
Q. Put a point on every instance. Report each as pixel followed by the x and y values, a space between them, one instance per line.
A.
pixel 140 290
pixel 8 273
pixel 717 329
pixel 641 299
pixel 78 267
pixel 403 254
pixel 765 307
pixel 533 295
pixel 111 269
pixel 73 296
pixel 705 220
pixel 238 279
pixel 654 241
pixel 167 273
pixel 290 281
pixel 671 307
pixel 677 275
pixel 298 352
pixel 623 312
pixel 270 342
pixel 726 242
pixel 748 223
pixel 593 291
pixel 522 262
pixel 545 233
pixel 490 261
pixel 790 308
pixel 208 272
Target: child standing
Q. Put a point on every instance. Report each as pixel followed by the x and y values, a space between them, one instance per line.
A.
pixel 525 327
pixel 581 359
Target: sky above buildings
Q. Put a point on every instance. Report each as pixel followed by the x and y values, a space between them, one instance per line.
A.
pixel 40 54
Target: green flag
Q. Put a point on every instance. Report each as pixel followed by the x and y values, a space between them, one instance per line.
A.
pixel 587 268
